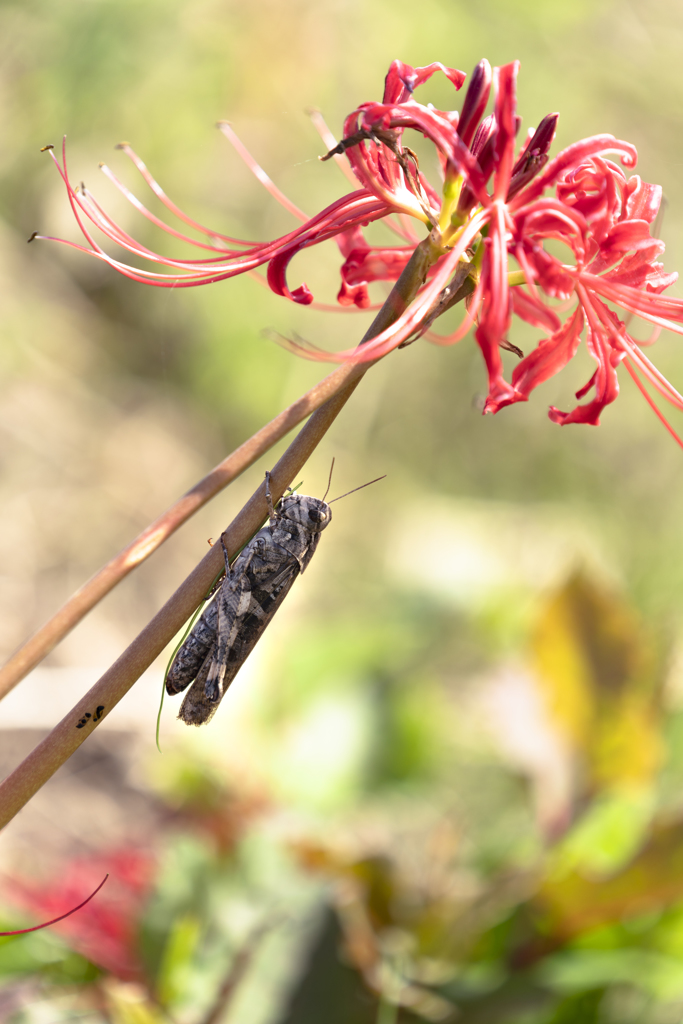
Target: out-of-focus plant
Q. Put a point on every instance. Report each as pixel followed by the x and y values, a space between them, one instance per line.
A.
pixel 257 913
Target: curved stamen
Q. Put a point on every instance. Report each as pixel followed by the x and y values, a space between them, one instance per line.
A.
pixel 648 398
pixel 55 920
pixel 258 172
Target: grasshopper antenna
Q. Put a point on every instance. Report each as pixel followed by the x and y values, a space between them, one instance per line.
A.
pixel 329 482
pixel 376 480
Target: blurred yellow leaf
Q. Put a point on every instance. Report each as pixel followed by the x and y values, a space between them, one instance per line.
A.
pixel 562 667
pixel 597 672
pixel 627 742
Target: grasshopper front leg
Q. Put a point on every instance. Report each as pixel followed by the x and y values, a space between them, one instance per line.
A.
pixel 273 515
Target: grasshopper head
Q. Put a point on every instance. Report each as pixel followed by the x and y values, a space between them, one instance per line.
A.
pixel 311 513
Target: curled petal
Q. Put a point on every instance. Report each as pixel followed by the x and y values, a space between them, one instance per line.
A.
pixel 374 263
pixel 550 274
pixel 643 259
pixel 354 295
pixel 604 380
pixel 277 278
pixel 549 218
pixel 571 157
pixel 630 234
pixel 549 357
pixel 643 200
pixel 409 322
pixel 582 392
pixel 402 79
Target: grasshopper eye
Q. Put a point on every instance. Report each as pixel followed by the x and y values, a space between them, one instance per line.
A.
pixel 315 515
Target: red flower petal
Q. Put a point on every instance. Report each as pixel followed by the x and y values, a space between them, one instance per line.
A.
pixel 629 234
pixel 549 357
pixel 402 79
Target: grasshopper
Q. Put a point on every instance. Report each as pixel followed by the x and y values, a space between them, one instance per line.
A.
pixel 253 589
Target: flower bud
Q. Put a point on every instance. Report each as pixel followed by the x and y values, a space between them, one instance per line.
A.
pixel 476 99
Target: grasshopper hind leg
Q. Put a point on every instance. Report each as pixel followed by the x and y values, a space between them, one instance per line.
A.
pixel 214 678
pixel 197 708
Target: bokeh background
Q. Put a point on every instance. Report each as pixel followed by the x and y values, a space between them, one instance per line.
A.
pixel 448 783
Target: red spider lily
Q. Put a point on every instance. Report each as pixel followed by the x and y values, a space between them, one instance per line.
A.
pixel 491 206
pixel 604 220
pixel 104 931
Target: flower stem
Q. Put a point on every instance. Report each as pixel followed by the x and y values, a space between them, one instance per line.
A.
pixel 37 647
pixel 32 652
pixel 34 771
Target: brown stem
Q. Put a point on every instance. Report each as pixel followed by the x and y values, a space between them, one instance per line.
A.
pixel 37 647
pixel 18 788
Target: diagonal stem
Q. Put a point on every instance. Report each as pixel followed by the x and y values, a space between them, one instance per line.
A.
pixel 18 788
pixel 38 646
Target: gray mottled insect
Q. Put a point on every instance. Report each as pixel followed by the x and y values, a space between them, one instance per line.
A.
pixel 253 589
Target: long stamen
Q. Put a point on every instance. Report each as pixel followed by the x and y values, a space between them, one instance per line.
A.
pixel 331 142
pixel 141 208
pixel 639 303
pixel 650 401
pixel 648 369
pixel 168 203
pixel 657 379
pixel 356 208
pixel 259 173
pixel 109 227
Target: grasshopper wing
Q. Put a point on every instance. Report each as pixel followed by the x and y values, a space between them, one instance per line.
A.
pixel 194 651
pixel 241 634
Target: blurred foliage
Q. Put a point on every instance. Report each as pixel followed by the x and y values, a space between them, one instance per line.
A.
pixel 449 786
pixel 394 906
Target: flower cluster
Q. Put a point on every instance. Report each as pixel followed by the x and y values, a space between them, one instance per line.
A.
pixel 485 231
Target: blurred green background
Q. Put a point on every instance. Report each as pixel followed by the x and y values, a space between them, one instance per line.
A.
pixel 447 785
